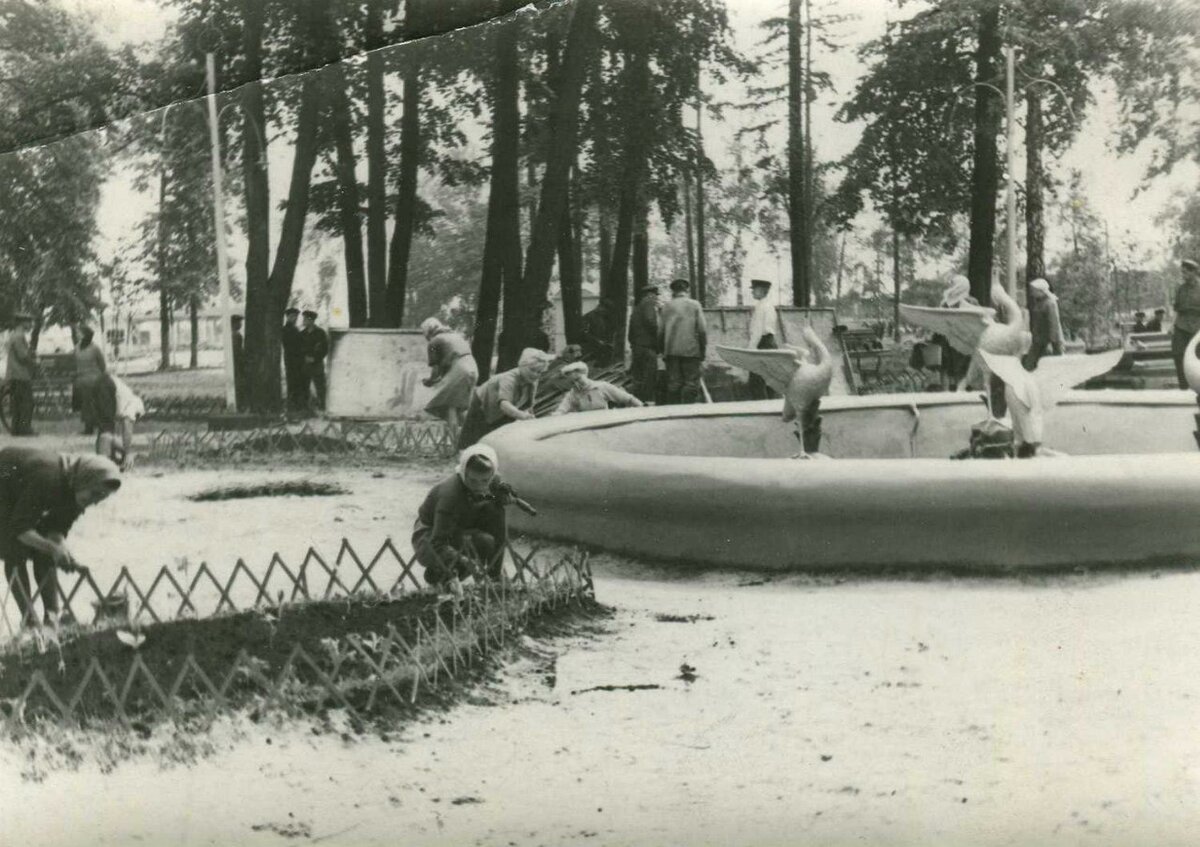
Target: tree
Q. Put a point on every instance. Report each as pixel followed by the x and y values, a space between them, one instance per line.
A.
pixel 56 81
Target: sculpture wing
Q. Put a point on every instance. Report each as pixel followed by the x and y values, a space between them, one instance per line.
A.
pixel 1056 375
pixel 1010 369
pixel 1191 364
pixel 776 367
pixel 962 327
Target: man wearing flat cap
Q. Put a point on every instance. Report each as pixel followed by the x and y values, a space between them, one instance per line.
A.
pixel 293 361
pixel 19 373
pixel 316 348
pixel 765 333
pixel 1187 315
pixel 643 344
pixel 683 340
pixel 597 332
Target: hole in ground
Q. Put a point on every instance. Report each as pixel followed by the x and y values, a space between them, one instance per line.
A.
pixel 291 488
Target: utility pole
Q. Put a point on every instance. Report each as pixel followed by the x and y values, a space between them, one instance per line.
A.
pixel 219 223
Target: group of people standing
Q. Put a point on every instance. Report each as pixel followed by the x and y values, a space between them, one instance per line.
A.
pixel 305 348
pixel 107 406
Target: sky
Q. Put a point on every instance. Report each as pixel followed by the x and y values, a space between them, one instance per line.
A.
pixel 1114 184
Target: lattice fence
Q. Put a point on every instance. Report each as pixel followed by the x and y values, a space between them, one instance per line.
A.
pixel 432 439
pixel 53 402
pixel 356 672
pixel 908 381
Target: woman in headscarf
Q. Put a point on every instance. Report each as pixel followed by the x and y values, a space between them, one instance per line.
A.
pixel 461 522
pixel 504 398
pixel 586 395
pixel 89 367
pixel 1045 324
pixel 42 494
pixel 954 364
pixel 453 370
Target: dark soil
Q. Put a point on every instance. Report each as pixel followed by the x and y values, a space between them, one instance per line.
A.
pixel 292 488
pixel 268 637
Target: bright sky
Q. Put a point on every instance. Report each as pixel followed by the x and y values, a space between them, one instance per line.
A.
pixel 1112 182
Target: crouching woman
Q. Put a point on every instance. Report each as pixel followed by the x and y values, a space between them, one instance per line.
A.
pixel 42 494
pixel 461 524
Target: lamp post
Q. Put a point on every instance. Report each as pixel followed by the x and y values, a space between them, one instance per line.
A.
pixel 219 222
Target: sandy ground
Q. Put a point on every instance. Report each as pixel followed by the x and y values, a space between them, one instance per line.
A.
pixel 960 712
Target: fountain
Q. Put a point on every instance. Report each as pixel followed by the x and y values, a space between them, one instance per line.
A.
pixel 714 484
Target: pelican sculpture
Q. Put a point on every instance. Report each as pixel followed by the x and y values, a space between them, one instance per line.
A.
pixel 971 329
pixel 1191 365
pixel 1033 395
pixel 801 375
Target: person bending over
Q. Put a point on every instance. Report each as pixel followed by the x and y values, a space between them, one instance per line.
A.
pixel 461 525
pixel 586 395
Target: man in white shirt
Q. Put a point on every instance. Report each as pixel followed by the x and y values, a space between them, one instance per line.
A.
pixel 764 333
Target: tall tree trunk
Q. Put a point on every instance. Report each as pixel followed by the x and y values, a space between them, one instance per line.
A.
pixel 895 282
pixel 641 255
pixel 688 227
pixel 553 206
pixel 346 169
pixel 701 216
pixel 194 321
pixel 985 177
pixel 164 330
pixel 502 243
pixel 264 310
pixel 376 166
pixel 164 299
pixel 837 297
pixel 1035 225
pixel 570 280
pixel 636 38
pixel 795 153
pixel 606 251
pixel 406 197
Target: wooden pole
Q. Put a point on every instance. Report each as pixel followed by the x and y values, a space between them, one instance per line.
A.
pixel 219 223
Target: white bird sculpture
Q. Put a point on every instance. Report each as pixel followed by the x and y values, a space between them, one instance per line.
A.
pixel 1033 395
pixel 802 376
pixel 1191 365
pixel 970 329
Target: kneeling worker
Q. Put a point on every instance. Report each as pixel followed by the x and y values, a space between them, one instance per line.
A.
pixel 586 395
pixel 462 522
pixel 42 494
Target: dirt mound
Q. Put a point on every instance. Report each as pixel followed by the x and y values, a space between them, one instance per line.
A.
pixel 290 488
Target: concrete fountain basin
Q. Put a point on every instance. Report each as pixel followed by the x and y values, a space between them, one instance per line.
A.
pixel 714 485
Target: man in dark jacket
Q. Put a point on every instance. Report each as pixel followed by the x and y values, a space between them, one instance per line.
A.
pixel 21 367
pixel 239 363
pixel 293 361
pixel 315 344
pixel 643 342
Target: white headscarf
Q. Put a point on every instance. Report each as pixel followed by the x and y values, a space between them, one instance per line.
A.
pixel 431 327
pixel 1044 287
pixel 575 367
pixel 958 290
pixel 483 451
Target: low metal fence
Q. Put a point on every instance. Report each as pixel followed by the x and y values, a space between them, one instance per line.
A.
pixel 430 439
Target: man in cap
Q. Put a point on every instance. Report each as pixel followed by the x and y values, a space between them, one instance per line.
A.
pixel 239 362
pixel 1187 315
pixel 21 363
pixel 589 395
pixel 1045 324
pixel 1156 322
pixel 597 330
pixel 1139 321
pixel 315 344
pixel 643 342
pixel 765 332
pixel 683 340
pixel 293 361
